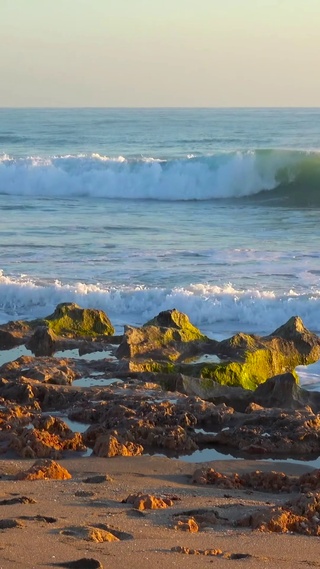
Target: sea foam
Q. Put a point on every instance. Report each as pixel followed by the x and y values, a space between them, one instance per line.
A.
pixel 223 175
pixel 215 310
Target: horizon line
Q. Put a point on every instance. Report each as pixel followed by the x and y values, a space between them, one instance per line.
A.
pixel 226 107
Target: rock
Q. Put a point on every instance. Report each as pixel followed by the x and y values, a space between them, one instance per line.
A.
pixel 301 515
pixel 274 432
pixel 20 500
pixel 191 551
pixel 210 476
pixel 47 442
pixel 147 502
pixel 262 481
pixel 283 391
pixel 98 479
pixel 68 320
pixel 44 469
pixel 187 524
pixel 163 334
pixel 71 320
pixel 175 439
pixel 248 360
pixel 43 369
pixel 309 481
pixel 99 535
pixel 295 331
pixel 8 340
pixel 13 334
pixel 175 319
pixel 114 445
pixel 90 533
pixel 53 425
pixel 42 342
pixel 236 397
pixel 280 391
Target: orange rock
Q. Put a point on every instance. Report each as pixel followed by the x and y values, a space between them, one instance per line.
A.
pixel 187 525
pixel 147 502
pixel 111 445
pixel 44 469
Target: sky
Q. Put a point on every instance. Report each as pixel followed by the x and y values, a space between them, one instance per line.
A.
pixel 168 53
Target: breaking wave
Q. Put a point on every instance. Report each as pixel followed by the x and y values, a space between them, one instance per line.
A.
pixel 279 175
pixel 213 309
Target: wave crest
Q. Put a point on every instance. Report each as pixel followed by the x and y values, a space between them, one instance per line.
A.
pixel 226 175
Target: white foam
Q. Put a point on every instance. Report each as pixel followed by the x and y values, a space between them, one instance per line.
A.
pixel 226 175
pixel 216 310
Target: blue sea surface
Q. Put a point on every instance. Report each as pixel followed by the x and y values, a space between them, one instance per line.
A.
pixel 212 211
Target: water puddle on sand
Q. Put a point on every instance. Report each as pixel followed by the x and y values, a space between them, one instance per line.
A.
pixel 18 351
pixel 75 426
pixel 93 381
pixel 204 359
pixel 92 356
pixel 212 454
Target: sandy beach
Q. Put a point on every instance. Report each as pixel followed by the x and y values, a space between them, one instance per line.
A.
pixel 50 531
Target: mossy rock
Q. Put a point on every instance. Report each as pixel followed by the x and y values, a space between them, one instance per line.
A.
pixel 257 367
pixel 153 366
pixel 165 336
pixel 175 320
pixel 71 320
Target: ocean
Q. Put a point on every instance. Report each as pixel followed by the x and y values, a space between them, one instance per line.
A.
pixel 214 212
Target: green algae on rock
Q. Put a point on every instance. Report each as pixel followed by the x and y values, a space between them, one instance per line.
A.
pixel 173 319
pixel 247 360
pixel 69 319
pixel 163 336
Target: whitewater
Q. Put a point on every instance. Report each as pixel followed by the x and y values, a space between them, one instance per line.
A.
pixel 212 211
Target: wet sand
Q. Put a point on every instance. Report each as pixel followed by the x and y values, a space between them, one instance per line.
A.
pixel 146 538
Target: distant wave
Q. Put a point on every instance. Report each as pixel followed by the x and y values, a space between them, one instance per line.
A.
pixel 284 175
pixel 211 308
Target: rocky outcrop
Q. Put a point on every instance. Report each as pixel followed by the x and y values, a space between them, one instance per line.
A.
pixel 13 334
pixel 44 370
pixel 185 523
pixel 90 533
pixel 178 403
pixel 48 439
pixel 274 432
pixel 281 391
pixel 8 340
pixel 142 501
pixel 44 470
pixel 68 320
pixel 43 341
pixel 258 480
pixel 71 320
pixel 169 344
pixel 113 444
pixel 165 334
pixel 301 515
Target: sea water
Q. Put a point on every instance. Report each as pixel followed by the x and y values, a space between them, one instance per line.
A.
pixel 214 212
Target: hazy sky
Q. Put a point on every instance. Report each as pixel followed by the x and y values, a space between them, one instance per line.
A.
pixel 159 53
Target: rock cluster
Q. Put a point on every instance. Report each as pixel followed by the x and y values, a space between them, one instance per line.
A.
pixel 258 480
pixel 171 388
